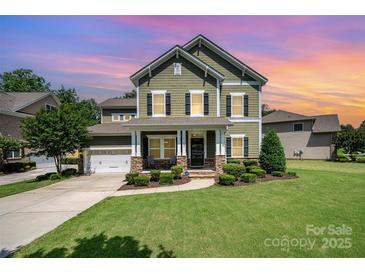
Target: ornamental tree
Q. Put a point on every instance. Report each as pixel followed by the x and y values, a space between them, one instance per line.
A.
pixel 55 133
pixel 272 156
pixel 8 143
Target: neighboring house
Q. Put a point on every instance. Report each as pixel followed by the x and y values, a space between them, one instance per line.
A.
pixel 14 107
pixel 196 105
pixel 314 136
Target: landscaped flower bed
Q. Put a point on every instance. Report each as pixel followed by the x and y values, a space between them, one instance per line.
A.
pixel 155 178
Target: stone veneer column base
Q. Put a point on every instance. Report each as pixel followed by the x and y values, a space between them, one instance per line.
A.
pixel 182 160
pixel 136 164
pixel 220 160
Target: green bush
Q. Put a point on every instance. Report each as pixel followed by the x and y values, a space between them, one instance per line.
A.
pixel 130 177
pixel 69 172
pixel 55 176
pixel 272 155
pixel 166 178
pixel 291 173
pixel 155 175
pixel 257 171
pixel 141 180
pixel 226 179
pixel 234 169
pixel 18 166
pixel 177 171
pixel 277 173
pixel 233 161
pixel 248 177
pixel 250 162
pixel 44 176
pixel 70 161
pixel 360 160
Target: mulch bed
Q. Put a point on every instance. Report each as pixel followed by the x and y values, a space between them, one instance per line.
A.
pixel 267 178
pixel 183 180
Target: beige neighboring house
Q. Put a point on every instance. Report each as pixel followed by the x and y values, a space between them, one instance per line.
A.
pixel 314 136
pixel 14 107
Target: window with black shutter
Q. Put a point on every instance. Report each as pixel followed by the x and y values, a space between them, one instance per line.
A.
pixel 228 105
pixel 245 105
pixel 245 147
pixel 168 104
pixel 187 103
pixel 149 104
pixel 228 146
pixel 206 104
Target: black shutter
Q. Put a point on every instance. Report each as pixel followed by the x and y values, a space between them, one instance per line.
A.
pixel 245 147
pixel 228 146
pixel 228 105
pixel 149 104
pixel 245 105
pixel 206 104
pixel 168 104
pixel 187 103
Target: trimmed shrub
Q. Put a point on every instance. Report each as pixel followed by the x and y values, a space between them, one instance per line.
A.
pixel 142 180
pixel 226 179
pixel 155 175
pixel 291 173
pixel 360 160
pixel 55 176
pixel 166 178
pixel 277 173
pixel 130 177
pixel 248 178
pixel 44 176
pixel 250 162
pixel 233 161
pixel 18 166
pixel 257 171
pixel 70 161
pixel 69 172
pixel 272 157
pixel 177 171
pixel 234 169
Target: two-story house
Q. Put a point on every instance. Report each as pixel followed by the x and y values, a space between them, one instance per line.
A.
pixel 196 105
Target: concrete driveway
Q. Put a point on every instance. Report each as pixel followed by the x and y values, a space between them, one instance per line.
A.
pixel 28 215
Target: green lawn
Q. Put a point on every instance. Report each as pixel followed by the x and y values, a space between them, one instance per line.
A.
pixel 15 188
pixel 221 221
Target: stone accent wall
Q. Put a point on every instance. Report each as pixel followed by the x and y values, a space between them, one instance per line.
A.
pixel 220 160
pixel 182 160
pixel 209 163
pixel 136 164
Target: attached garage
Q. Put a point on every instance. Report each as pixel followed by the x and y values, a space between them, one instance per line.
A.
pixel 109 160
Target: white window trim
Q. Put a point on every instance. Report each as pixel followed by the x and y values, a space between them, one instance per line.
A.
pixel 243 104
pixel 162 149
pixel 119 114
pixel 178 72
pixel 238 136
pixel 298 124
pixel 12 154
pixel 201 92
pixel 163 92
pixel 46 104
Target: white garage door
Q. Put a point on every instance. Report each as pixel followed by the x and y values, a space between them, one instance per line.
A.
pixel 110 163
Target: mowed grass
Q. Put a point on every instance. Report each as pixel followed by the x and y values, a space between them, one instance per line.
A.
pixel 15 188
pixel 220 221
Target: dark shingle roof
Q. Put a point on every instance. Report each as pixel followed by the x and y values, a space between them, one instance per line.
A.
pixel 117 102
pixel 326 123
pixel 177 121
pixel 108 129
pixel 283 116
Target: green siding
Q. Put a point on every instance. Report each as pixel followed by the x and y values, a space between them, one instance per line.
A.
pixel 111 141
pixel 253 99
pixel 230 71
pixel 107 113
pixel 251 130
pixel 191 77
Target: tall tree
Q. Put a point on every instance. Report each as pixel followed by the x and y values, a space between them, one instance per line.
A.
pixel 362 127
pixel 55 133
pixel 23 80
pixel 130 94
pixel 350 139
pixel 266 110
pixel 66 96
pixel 90 110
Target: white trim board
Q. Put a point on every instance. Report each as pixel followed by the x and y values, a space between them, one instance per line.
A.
pixel 247 120
pixel 240 83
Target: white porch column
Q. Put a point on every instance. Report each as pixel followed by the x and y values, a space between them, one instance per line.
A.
pixel 179 143
pixel 223 142
pixel 183 143
pixel 138 143
pixel 217 142
pixel 133 137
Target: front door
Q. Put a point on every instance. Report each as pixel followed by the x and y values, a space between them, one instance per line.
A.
pixel 197 152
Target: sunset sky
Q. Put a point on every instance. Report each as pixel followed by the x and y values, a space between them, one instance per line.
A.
pixel 315 65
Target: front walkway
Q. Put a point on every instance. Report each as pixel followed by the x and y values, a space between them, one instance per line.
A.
pixel 193 184
pixel 28 215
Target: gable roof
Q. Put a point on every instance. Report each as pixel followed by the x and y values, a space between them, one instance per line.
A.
pixel 15 101
pixel 227 56
pixel 326 123
pixel 176 50
pixel 283 116
pixel 118 102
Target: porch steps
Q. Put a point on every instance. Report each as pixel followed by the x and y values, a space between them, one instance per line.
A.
pixel 201 173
